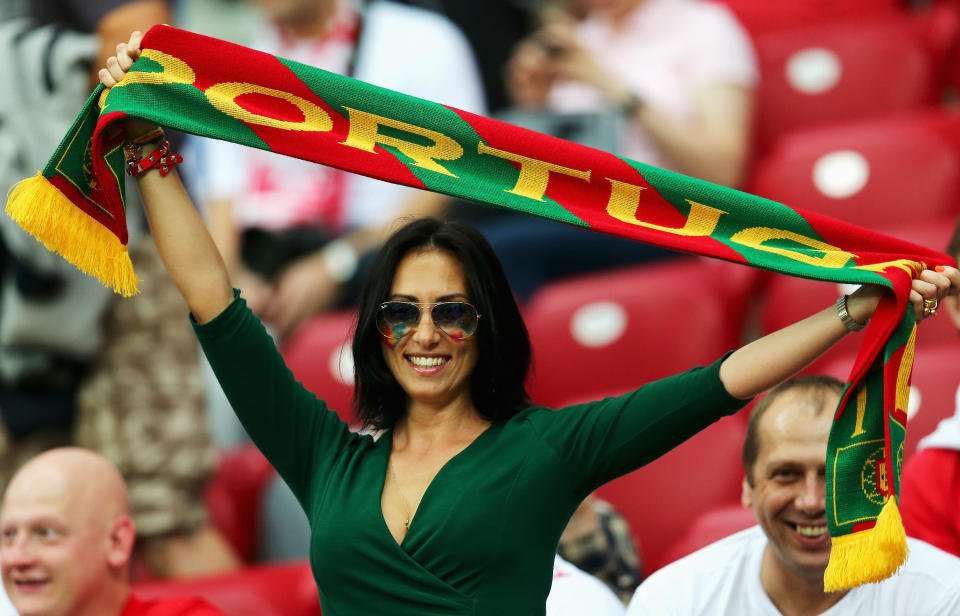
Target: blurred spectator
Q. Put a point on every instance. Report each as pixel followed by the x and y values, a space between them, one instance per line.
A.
pixel 777 567
pixel 930 490
pixel 68 539
pixel 77 364
pixel 493 28
pixel 598 540
pixel 574 593
pixel 294 234
pixel 680 73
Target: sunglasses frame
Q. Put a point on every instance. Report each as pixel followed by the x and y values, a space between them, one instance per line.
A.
pixel 420 306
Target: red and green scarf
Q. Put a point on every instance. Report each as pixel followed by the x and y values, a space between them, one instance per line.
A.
pixel 216 89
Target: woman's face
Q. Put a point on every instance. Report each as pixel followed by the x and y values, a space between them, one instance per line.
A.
pixel 430 366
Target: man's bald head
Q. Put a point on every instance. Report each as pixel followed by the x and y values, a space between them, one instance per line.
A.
pixel 67 535
pixel 82 479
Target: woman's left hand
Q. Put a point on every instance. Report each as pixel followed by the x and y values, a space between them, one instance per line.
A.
pixel 931 287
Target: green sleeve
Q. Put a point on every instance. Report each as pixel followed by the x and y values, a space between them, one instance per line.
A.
pixel 296 431
pixel 603 440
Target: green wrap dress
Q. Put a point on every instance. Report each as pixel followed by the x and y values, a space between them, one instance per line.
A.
pixel 485 533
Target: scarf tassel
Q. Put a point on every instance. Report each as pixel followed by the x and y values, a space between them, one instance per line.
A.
pixel 870 555
pixel 43 211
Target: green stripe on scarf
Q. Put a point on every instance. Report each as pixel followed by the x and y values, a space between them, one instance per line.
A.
pixel 216 89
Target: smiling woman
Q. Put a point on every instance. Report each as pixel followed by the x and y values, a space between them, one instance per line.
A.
pixel 453 498
pixel 431 261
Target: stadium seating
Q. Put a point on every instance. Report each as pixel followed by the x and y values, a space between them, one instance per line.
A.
pixel 873 173
pixel 319 355
pixel 271 590
pixel 611 332
pixel 663 498
pixel 763 16
pixel 840 71
pixel 936 375
pixel 789 299
pixel 710 527
pixel 233 497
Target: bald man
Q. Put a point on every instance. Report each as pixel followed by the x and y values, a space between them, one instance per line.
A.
pixel 67 541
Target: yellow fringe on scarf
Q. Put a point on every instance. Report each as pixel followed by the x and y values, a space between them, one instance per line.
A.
pixel 868 556
pixel 42 210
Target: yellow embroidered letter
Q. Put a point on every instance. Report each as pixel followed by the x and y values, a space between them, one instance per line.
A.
pixel 364 134
pixel 625 200
pixel 534 174
pixel 755 237
pixel 174 70
pixel 223 97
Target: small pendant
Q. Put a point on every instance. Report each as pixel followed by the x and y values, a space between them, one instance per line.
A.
pixel 406 524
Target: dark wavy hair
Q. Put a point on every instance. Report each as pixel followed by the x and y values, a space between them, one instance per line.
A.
pixel 503 346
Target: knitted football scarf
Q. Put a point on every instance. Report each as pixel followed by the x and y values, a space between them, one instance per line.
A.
pixel 216 89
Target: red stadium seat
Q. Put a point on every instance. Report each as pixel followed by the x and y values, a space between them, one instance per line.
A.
pixel 709 528
pixel 270 590
pixel 612 332
pixel 841 71
pixel 319 355
pixel 936 374
pixel 789 299
pixel 663 498
pixel 763 16
pixel 873 173
pixel 233 497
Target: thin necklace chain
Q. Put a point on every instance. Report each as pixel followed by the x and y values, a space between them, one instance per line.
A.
pixel 406 505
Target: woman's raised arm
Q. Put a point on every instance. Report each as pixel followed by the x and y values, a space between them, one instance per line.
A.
pixel 188 251
pixel 774 358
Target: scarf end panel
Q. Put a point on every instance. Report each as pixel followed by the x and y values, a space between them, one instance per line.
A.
pixel 870 555
pixel 48 215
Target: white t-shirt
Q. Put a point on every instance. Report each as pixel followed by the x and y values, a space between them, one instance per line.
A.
pixel 402 48
pixel 664 52
pixel 577 593
pixel 724 579
pixel 947 434
pixel 6 607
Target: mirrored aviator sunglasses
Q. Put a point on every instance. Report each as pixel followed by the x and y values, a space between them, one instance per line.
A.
pixel 458 320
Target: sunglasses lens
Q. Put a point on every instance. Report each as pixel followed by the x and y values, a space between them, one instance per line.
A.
pixel 395 319
pixel 456 319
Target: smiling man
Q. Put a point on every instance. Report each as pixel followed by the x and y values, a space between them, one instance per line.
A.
pixel 777 568
pixel 67 538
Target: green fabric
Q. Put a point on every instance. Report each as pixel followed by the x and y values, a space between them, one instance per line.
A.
pixel 484 537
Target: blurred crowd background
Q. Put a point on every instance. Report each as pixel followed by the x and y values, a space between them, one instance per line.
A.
pixel 842 107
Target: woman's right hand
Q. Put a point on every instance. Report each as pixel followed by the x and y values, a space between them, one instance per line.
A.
pixel 114 71
pixel 117 66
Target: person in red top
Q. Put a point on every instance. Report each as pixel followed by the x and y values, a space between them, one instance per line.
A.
pixel 930 494
pixel 67 537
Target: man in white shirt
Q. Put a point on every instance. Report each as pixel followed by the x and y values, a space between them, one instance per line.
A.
pixel 577 593
pixel 777 567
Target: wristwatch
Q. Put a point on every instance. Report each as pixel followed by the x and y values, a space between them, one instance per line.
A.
pixel 845 317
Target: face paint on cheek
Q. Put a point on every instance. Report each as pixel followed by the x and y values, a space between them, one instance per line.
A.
pixel 393 336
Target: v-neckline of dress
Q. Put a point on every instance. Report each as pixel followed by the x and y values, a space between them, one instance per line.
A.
pixel 386 442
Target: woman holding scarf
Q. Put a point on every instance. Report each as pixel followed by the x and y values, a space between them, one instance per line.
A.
pixel 453 497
